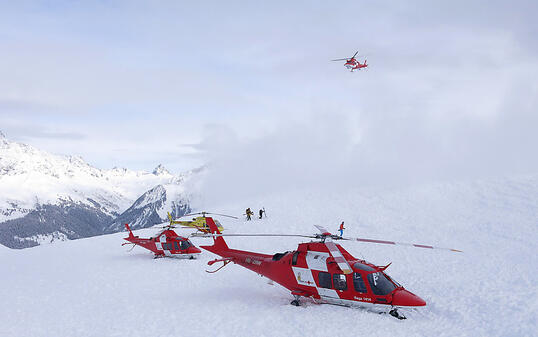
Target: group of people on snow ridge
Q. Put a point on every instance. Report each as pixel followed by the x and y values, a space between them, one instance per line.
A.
pixel 249 213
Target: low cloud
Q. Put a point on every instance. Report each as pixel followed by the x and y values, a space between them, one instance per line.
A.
pixel 338 151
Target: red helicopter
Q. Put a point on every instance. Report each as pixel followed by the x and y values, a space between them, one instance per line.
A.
pixel 323 271
pixel 352 63
pixel 166 243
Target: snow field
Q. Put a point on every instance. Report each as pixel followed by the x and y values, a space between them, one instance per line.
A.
pixel 95 287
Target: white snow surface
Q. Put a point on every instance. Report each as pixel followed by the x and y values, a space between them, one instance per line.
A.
pixel 44 238
pixel 29 176
pixel 96 287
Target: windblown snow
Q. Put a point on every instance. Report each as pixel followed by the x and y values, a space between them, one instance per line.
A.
pixel 96 287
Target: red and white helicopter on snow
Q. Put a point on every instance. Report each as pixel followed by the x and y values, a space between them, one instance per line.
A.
pixel 323 271
pixel 165 243
pixel 352 63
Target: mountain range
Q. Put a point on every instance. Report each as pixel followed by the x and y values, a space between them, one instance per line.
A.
pixel 46 197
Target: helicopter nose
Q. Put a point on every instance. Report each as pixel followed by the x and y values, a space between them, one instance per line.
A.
pixel 406 298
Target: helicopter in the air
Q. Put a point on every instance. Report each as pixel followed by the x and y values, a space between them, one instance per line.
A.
pixel 352 63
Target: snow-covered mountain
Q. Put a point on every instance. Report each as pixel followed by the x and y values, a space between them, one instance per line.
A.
pixel 152 207
pixel 46 197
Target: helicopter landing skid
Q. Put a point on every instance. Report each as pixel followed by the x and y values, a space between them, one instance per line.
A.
pixel 394 313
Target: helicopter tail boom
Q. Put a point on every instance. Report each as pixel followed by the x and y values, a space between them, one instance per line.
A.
pixel 131 235
pixel 219 242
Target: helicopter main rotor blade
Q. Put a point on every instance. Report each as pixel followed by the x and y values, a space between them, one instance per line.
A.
pixel 229 216
pixel 209 235
pixel 197 213
pixel 167 226
pixel 338 257
pixel 354 54
pixel 323 230
pixel 333 250
pixel 204 213
pixel 341 59
pixel 401 244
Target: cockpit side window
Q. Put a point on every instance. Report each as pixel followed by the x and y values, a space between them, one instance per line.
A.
pixel 324 279
pixel 339 281
pixel 358 283
pixel 294 258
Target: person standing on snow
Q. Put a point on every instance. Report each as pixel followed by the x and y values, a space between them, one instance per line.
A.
pixel 341 229
pixel 248 213
pixel 261 213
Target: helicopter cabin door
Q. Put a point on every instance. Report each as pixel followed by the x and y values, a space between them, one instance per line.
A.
pixel 163 245
pixel 317 262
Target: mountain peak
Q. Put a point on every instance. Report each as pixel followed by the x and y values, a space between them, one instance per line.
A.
pixel 160 170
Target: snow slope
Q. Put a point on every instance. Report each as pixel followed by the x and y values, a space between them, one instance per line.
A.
pixel 95 287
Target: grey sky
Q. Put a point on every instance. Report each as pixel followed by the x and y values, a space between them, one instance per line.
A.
pixel 450 92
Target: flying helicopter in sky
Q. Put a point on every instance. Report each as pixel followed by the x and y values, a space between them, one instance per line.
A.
pixel 352 63
pixel 165 243
pixel 199 222
pixel 324 271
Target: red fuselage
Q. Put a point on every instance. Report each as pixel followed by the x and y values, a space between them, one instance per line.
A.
pixel 353 64
pixel 166 243
pixel 311 271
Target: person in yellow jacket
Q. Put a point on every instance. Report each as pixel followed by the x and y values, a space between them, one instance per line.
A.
pixel 248 212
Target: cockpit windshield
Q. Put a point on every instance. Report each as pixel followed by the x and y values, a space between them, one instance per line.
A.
pixel 398 285
pixel 185 244
pixel 380 284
